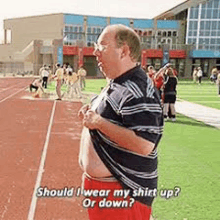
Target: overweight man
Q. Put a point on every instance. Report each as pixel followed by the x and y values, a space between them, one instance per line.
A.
pixel 122 129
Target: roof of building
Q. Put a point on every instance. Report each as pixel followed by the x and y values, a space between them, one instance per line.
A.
pixel 33 16
pixel 179 8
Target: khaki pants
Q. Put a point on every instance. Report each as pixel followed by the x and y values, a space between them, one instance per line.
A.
pixel 58 88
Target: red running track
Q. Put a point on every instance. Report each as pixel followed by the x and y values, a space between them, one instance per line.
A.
pixel 39 143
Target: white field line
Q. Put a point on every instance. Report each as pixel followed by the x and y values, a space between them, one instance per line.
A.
pixel 41 167
pixel 12 94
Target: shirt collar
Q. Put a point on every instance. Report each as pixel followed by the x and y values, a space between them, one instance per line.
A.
pixel 123 77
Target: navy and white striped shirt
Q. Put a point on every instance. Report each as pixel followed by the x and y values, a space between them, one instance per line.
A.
pixel 130 101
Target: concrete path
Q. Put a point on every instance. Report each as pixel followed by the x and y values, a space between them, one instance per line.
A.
pixel 202 113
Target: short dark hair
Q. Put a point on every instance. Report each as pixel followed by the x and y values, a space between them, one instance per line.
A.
pixel 127 35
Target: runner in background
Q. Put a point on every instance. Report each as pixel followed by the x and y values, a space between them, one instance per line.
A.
pixel 73 89
pixel 45 74
pixel 50 74
pixel 41 69
pixel 37 85
pixel 65 73
pixel 58 76
pixel 82 77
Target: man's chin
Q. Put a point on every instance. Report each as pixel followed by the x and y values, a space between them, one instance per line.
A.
pixel 102 70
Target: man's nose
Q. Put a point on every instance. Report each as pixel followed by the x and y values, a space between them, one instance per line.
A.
pixel 96 52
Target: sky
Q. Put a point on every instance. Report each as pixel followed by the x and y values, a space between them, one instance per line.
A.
pixel 113 8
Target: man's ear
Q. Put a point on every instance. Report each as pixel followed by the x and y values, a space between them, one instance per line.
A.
pixel 125 51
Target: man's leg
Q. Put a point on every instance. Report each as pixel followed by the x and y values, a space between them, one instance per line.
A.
pixel 84 82
pixel 173 111
pixel 58 89
pixel 33 87
pixel 78 89
pixel 165 110
pixel 46 79
pixel 30 87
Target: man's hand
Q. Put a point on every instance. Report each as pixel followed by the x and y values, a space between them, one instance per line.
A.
pixel 83 111
pixel 92 120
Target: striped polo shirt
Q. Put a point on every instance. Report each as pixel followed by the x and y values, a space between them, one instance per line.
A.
pixel 130 101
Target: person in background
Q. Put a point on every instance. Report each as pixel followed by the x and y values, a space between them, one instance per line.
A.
pixel 36 84
pixel 214 74
pixel 45 74
pixel 150 72
pixel 159 79
pixel 65 73
pixel 194 74
pixel 199 75
pixel 218 82
pixel 175 72
pixel 170 83
pixel 82 77
pixel 50 74
pixel 58 76
pixel 73 84
pixel 41 69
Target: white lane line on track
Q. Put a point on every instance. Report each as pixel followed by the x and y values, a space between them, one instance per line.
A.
pixel 41 167
pixel 13 86
pixel 12 94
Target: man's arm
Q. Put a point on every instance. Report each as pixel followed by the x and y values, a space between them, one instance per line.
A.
pixel 161 71
pixel 124 137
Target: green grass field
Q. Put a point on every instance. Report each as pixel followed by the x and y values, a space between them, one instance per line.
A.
pixel 92 86
pixel 188 158
pixel 204 94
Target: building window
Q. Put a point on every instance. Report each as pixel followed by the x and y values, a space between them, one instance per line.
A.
pixel 99 30
pixel 66 29
pixel 72 33
pixel 209 13
pixel 92 34
pixel 89 30
pixel 209 4
pixel 158 33
pixel 215 13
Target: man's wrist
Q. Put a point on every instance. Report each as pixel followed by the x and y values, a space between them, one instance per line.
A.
pixel 101 123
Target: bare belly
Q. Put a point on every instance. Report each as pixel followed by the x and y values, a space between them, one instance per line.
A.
pixel 89 159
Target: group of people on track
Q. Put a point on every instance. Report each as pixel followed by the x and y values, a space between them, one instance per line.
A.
pixel 65 74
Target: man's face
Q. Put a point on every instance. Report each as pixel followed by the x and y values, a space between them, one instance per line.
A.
pixel 107 54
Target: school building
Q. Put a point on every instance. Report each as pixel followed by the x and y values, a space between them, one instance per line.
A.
pixel 202 20
pixel 188 33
